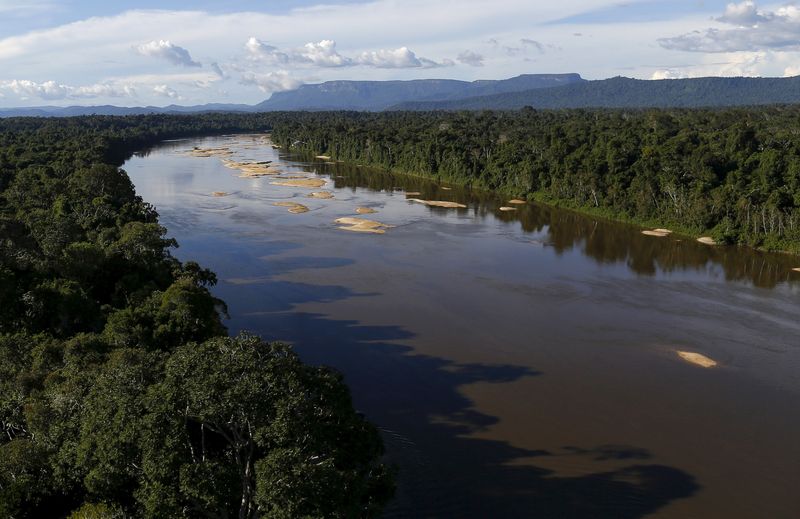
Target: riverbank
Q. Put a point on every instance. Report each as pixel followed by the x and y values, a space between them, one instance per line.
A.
pixel 540 197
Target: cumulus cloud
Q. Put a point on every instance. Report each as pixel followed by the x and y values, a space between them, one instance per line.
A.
pixel 52 90
pixel 165 91
pixel 259 50
pixel 398 58
pixel 167 50
pixel 271 82
pixel 669 74
pixel 753 30
pixel 471 58
pixel 324 54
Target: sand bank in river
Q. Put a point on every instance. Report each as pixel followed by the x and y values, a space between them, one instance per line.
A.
pixel 506 208
pixel 323 157
pixel 697 359
pixel 322 195
pixel 706 240
pixel 293 207
pixel 361 225
pixel 210 152
pixel 251 169
pixel 517 201
pixel 365 210
pixel 438 203
pixel 306 182
pixel 447 188
pixel 796 269
pixel 219 193
pixel 413 193
pixel 659 233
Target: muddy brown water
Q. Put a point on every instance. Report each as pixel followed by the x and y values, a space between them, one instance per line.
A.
pixel 521 363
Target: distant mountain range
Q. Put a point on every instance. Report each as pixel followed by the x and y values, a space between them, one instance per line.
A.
pixel 380 95
pixel 535 90
pixel 622 92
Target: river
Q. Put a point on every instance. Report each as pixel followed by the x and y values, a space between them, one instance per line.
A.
pixel 519 363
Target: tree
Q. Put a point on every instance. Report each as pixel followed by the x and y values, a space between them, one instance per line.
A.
pixel 252 431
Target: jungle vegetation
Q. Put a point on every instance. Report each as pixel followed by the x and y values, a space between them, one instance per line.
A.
pixel 121 393
pixel 732 173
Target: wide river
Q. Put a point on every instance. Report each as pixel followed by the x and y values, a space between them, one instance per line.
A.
pixel 519 363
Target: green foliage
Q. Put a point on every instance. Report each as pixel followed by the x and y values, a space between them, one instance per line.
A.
pixel 118 388
pixel 733 173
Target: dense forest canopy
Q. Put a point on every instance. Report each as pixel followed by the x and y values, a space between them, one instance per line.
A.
pixel 733 173
pixel 120 392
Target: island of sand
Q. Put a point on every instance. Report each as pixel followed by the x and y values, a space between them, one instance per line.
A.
pixel 507 208
pixel 300 182
pixel 294 208
pixel 698 359
pixel 706 240
pixel 517 201
pixel 209 152
pixel 361 225
pixel 438 203
pixel 365 210
pixel 251 169
pixel 659 233
pixel 321 195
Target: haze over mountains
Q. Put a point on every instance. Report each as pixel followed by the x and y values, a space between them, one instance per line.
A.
pixel 543 91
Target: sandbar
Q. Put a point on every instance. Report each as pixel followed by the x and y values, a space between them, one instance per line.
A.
pixel 322 195
pixel 517 201
pixel 447 188
pixel 697 359
pixel 413 193
pixel 438 203
pixel 658 233
pixel 323 157
pixel 293 207
pixel 251 169
pixel 219 193
pixel 365 210
pixel 361 225
pixel 209 152
pixel 706 240
pixel 306 182
pixel 506 208
pixel 796 269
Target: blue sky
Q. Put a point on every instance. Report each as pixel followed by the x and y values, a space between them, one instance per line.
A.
pixel 241 51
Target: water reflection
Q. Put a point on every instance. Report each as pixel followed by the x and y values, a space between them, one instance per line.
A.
pixel 603 240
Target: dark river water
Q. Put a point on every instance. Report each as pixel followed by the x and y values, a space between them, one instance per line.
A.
pixel 520 363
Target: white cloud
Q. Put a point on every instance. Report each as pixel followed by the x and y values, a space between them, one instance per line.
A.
pixel 52 90
pixel 169 51
pixel 324 54
pixel 669 74
pixel 321 54
pixel 260 50
pixel 397 58
pixel 471 58
pixel 165 91
pixel 271 82
pixel 48 90
pixel 753 30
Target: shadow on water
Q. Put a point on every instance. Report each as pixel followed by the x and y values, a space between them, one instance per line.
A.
pixel 426 420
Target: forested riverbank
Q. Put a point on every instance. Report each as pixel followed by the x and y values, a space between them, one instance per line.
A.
pixel 730 173
pixel 120 392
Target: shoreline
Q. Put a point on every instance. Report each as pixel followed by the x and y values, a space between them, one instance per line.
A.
pixel 595 212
